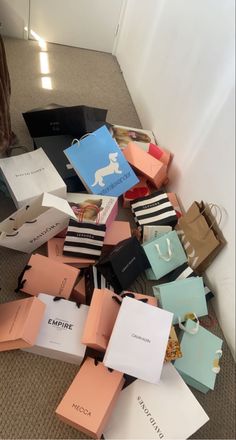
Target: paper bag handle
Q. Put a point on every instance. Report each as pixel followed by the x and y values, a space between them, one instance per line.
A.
pixel 169 254
pixel 21 282
pixel 216 367
pixel 192 331
pixel 77 141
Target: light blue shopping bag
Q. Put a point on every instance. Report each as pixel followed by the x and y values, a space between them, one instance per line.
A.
pixel 100 164
pixel 165 253
pixel 182 297
pixel 200 362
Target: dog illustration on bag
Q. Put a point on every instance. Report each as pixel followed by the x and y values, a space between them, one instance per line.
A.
pixel 111 168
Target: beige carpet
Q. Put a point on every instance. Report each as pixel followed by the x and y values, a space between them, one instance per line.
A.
pixel 32 386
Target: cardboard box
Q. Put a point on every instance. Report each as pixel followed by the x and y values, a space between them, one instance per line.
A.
pixel 160 154
pixel 55 252
pixel 61 329
pixel 89 401
pixel 20 322
pixel 153 169
pixel 46 275
pixel 101 319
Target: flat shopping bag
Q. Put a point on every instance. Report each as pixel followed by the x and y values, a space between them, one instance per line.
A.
pixel 90 399
pixel 44 275
pixel 200 235
pixel 154 170
pixel 20 323
pixel 55 251
pixel 155 209
pixel 185 271
pixel 30 174
pixel 101 318
pixel 183 297
pixel 123 264
pixel 164 253
pixel 199 365
pixel 60 331
pixel 34 224
pixel 123 135
pixel 101 165
pixel 168 410
pixel 139 340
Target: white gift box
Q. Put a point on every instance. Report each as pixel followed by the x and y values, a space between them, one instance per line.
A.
pixel 61 330
pixel 167 410
pixel 139 339
pixel 34 224
pixel 30 174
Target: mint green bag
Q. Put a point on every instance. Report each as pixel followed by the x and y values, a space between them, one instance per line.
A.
pixel 182 297
pixel 200 362
pixel 165 253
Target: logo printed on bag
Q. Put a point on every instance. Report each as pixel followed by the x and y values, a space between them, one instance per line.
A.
pixel 29 173
pixel 116 183
pixel 186 245
pixel 140 337
pixel 151 419
pixel 62 286
pixel 128 264
pixel 81 409
pixel 44 232
pixel 83 235
pixel 111 168
pixel 60 324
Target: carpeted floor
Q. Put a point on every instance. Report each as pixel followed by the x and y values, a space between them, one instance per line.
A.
pixel 31 386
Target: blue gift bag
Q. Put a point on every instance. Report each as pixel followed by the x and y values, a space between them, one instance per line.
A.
pixel 200 362
pixel 164 253
pixel 182 297
pixel 101 165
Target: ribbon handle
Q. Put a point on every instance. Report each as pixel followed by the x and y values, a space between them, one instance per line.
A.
pixel 192 316
pixel 169 251
pixel 216 366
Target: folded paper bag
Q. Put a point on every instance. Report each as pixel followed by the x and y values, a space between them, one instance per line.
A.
pixel 101 318
pixel 60 331
pixel 123 264
pixel 165 253
pixel 100 164
pixel 34 224
pixel 90 399
pixel 37 175
pixel 20 323
pixel 168 410
pixel 201 353
pixel 139 340
pixel 182 297
pixel 43 274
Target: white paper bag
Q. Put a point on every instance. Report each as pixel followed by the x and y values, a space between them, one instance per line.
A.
pixel 61 330
pixel 34 224
pixel 139 339
pixel 167 410
pixel 29 175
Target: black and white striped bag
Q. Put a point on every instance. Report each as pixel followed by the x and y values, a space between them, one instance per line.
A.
pixel 155 209
pixel 84 240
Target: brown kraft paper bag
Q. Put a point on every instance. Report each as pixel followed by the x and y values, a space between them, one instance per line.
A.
pixel 200 235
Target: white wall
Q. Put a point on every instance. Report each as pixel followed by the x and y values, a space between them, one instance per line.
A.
pixel 14 17
pixel 177 58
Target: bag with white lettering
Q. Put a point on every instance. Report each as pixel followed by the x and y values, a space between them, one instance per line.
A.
pixel 29 175
pixel 155 209
pixel 84 240
pixel 34 224
pixel 201 237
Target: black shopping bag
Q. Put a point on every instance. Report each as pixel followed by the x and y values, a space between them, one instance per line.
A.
pixel 56 120
pixel 123 264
